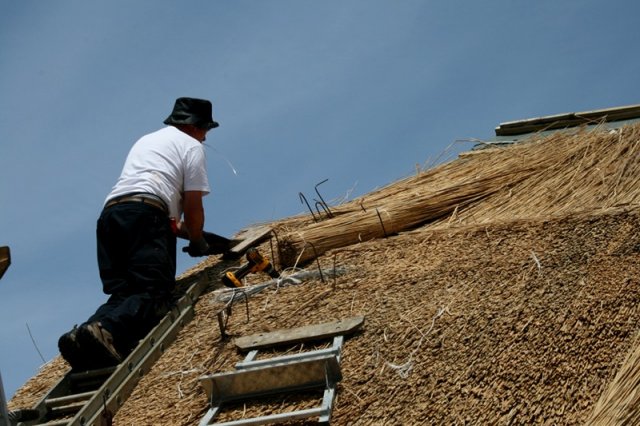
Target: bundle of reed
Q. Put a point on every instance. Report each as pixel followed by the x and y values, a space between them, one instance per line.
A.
pixel 544 176
pixel 618 403
pixel 588 170
pixel 405 210
pixel 425 183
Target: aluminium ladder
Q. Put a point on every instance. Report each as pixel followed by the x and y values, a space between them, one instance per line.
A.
pixel 253 378
pixel 91 398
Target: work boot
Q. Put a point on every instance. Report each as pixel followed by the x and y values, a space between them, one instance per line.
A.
pixel 97 344
pixel 71 351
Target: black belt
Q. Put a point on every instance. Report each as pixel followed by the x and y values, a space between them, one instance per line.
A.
pixel 150 199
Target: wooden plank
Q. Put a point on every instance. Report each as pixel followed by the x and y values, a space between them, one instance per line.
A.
pixel 250 238
pixel 299 334
pixel 550 122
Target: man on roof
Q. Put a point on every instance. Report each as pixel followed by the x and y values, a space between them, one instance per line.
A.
pixel 163 180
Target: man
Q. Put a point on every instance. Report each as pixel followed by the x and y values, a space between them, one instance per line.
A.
pixel 163 179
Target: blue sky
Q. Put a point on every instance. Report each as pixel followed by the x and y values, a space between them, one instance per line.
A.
pixel 354 91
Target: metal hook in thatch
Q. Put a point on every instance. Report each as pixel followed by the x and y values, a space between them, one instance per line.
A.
pixel 226 311
pixel 381 223
pixel 315 253
pixel 222 322
pixel 303 199
pixel 246 301
pixel 324 207
pixel 323 202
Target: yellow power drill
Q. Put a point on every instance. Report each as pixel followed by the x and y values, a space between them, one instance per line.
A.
pixel 256 263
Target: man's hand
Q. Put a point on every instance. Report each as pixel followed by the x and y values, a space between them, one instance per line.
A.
pixel 217 243
pixel 197 248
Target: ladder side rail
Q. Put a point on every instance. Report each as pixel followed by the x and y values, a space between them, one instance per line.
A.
pixel 210 414
pixel 131 370
pixel 338 342
pixel 330 391
pixel 4 411
pixel 327 404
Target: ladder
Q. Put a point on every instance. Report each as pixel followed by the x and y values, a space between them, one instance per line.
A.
pixel 91 398
pixel 4 412
pixel 8 418
pixel 254 378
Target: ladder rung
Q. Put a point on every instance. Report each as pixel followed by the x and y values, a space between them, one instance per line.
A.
pixel 91 374
pixel 64 422
pixel 287 358
pixel 66 405
pixel 69 399
pixel 66 410
pixel 91 379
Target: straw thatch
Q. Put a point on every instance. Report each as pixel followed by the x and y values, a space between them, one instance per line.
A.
pixel 575 171
pixel 520 308
pixel 618 405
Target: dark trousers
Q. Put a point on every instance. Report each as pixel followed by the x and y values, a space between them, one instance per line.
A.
pixel 137 262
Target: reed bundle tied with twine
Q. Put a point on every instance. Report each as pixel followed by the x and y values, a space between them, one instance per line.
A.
pixel 565 172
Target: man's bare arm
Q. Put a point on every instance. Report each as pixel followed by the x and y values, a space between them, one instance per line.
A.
pixel 191 228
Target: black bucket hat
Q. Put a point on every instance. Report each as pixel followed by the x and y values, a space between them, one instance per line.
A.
pixel 192 111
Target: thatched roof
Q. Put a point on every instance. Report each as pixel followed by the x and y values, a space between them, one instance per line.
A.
pixel 510 296
pixel 560 174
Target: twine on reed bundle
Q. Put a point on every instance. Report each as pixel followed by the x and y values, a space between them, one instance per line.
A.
pixel 565 172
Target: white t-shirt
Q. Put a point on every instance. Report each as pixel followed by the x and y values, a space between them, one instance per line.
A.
pixel 164 163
